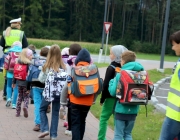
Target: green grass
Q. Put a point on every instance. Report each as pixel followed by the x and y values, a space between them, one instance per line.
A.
pixel 156 57
pixel 100 65
pixel 1 81
pixel 146 128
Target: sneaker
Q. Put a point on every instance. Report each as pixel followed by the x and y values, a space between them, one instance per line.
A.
pixel 37 127
pixel 17 114
pixel 13 106
pixel 4 97
pixel 8 103
pixel 53 139
pixel 43 134
pixel 61 114
pixel 25 112
pixel 69 133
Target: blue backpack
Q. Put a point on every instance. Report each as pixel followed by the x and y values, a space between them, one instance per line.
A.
pixel 34 69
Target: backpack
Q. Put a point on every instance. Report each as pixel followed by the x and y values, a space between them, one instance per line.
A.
pixel 85 81
pixel 34 70
pixel 20 71
pixel 10 60
pixel 38 61
pixel 134 88
pixel 54 84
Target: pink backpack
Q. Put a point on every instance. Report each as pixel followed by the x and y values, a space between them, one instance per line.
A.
pixel 10 61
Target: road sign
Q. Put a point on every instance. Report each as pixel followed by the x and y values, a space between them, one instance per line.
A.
pixel 107 26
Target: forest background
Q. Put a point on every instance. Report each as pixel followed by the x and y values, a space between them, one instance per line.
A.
pixel 137 24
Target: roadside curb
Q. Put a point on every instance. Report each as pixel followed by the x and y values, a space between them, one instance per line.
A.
pixel 154 101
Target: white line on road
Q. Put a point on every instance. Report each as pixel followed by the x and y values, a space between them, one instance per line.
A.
pixel 161 97
pixel 163 88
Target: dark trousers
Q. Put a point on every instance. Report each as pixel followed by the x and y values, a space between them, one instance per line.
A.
pixel 69 118
pixel 78 119
pixel 5 85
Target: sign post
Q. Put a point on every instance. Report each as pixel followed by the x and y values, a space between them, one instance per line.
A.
pixel 107 26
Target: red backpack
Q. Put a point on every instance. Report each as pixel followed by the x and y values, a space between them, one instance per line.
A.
pixel 134 88
pixel 10 61
pixel 20 71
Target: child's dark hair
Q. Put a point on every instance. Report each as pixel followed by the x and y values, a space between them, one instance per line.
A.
pixel 32 47
pixel 128 56
pixel 175 37
pixel 44 51
pixel 74 49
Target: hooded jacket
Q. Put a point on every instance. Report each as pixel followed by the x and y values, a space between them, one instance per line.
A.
pixel 120 108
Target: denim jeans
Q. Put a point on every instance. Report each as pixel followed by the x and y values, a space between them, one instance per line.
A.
pixel 54 117
pixel 9 91
pixel 170 129
pixel 78 120
pixel 123 130
pixel 37 102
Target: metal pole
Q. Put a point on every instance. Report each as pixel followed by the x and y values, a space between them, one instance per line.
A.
pixel 106 46
pixel 164 35
pixel 101 49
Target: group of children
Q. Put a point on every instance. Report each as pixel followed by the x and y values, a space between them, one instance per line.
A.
pixel 53 60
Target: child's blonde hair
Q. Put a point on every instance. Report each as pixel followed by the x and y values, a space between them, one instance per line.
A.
pixel 128 56
pixel 23 56
pixel 54 59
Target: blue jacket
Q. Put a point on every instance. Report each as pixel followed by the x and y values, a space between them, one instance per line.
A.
pixel 121 108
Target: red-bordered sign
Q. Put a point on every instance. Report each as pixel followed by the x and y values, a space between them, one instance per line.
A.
pixel 107 26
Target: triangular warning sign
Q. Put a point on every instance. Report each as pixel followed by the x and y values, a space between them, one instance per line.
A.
pixel 107 26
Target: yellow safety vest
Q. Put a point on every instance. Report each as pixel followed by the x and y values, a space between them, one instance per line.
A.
pixel 173 100
pixel 15 35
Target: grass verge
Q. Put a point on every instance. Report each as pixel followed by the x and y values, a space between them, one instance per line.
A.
pixel 146 128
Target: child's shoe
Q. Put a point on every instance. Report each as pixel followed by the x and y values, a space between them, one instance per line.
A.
pixel 25 112
pixel 8 103
pixel 13 106
pixel 69 133
pixel 17 114
pixel 43 134
pixel 37 127
pixel 65 124
pixel 4 98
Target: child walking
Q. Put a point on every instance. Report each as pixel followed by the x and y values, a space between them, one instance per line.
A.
pixel 14 51
pixel 36 86
pixel 80 105
pixel 73 52
pixel 54 76
pixel 24 58
pixel 107 101
pixel 125 115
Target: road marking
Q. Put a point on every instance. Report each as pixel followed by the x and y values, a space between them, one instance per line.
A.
pixel 163 88
pixel 161 97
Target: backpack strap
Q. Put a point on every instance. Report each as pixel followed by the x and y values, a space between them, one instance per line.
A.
pixel 117 69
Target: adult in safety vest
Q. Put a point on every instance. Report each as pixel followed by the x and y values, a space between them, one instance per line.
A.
pixel 12 34
pixel 9 36
pixel 171 126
